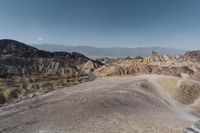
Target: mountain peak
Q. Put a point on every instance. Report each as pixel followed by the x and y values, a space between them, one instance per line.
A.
pixel 8 46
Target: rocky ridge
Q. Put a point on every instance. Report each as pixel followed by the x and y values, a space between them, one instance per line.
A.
pixel 193 54
pixel 27 71
pixel 179 66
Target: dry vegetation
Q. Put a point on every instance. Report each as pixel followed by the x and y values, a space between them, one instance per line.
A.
pixel 184 90
pixel 17 89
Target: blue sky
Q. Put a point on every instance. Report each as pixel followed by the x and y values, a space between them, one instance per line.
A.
pixel 103 23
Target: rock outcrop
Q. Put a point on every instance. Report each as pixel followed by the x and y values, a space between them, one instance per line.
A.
pixel 136 69
pixel 193 54
pixel 180 66
pixel 26 70
pixel 20 59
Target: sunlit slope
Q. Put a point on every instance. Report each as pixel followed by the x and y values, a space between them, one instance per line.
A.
pixel 141 104
pixel 183 90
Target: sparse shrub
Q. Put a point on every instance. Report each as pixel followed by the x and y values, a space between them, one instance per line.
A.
pixel 10 94
pixel 187 93
pixel 145 84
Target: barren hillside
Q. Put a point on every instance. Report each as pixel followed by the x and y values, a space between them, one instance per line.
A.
pixel 141 104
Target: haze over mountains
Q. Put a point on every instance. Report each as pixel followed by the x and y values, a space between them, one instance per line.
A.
pixel 96 52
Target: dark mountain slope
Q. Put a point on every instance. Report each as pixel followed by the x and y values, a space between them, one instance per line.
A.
pixel 26 71
pixel 20 59
pixel 193 54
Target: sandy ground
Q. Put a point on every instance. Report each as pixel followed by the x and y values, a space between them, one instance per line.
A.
pixel 112 105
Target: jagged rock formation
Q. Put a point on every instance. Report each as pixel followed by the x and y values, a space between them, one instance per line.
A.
pixel 22 66
pixel 112 70
pixel 138 59
pixel 27 71
pixel 146 103
pixel 180 66
pixel 193 54
pixel 20 59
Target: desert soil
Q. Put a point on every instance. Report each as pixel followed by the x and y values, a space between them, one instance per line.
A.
pixel 132 104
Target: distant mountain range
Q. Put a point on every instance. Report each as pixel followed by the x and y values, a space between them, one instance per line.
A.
pixel 95 52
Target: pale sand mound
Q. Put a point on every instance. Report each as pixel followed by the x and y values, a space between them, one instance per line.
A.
pixel 111 105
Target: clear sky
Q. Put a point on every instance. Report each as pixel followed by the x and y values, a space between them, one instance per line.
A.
pixel 103 23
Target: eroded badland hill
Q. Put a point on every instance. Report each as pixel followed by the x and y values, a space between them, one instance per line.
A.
pixel 41 92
